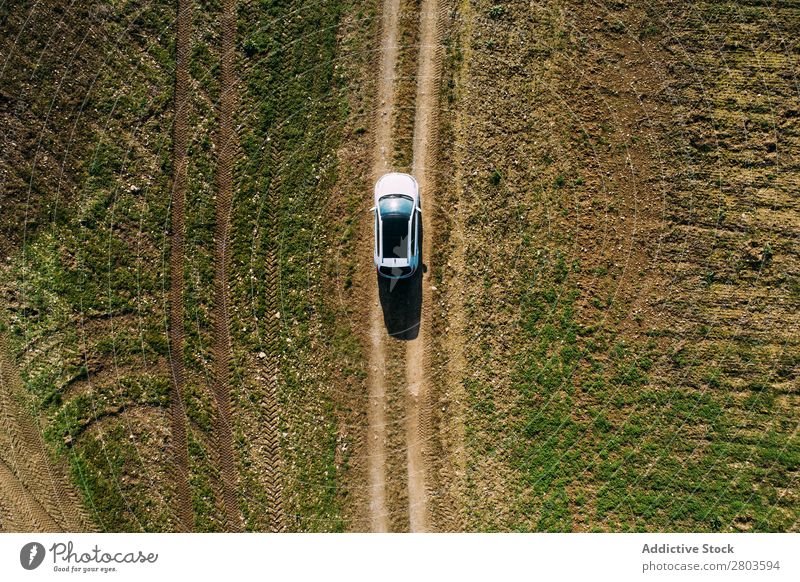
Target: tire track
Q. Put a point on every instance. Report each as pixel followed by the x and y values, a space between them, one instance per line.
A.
pixel 376 435
pixel 180 131
pixel 8 521
pixel 33 484
pixel 271 451
pixel 274 482
pixel 270 409
pixel 418 415
pixel 24 508
pixel 226 151
pixel 267 432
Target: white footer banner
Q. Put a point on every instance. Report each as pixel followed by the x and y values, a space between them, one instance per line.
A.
pixel 407 557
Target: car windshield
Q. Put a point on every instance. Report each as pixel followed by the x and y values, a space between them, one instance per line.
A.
pixel 395 213
pixel 396 204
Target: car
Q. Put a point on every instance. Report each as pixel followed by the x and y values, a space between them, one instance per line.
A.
pixel 398 222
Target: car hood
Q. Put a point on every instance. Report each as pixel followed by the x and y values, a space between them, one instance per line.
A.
pixel 396 183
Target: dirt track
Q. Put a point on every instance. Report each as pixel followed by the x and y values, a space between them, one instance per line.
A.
pixel 226 150
pixel 269 439
pixel 33 490
pixel 180 452
pixel 416 416
pixel 25 512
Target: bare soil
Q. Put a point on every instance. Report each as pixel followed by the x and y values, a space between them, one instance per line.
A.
pixel 33 486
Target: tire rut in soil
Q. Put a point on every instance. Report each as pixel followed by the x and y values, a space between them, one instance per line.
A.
pixel 26 511
pixel 382 151
pixel 419 428
pixel 272 408
pixel 226 151
pixel 34 484
pixel 266 438
pixel 179 445
pixel 270 450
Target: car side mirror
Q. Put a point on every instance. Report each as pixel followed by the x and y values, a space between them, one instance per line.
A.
pixel 372 209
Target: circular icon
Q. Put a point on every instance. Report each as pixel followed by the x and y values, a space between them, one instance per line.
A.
pixel 31 555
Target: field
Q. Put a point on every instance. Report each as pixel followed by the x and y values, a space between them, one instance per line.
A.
pixel 633 366
pixel 87 301
pixel 192 334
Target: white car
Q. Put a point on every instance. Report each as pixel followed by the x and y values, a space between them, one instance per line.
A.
pixel 398 218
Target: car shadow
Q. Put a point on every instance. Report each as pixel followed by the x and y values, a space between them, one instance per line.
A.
pixel 401 300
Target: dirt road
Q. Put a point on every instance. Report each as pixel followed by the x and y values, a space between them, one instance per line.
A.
pixel 424 129
pixel 34 490
pixel 180 131
pixel 226 151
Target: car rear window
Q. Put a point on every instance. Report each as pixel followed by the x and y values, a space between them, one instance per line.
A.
pixel 395 238
pixel 395 271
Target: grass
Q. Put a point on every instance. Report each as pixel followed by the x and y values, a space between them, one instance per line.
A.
pixel 406 84
pixel 553 433
pixel 88 280
pixel 300 107
pixel 588 406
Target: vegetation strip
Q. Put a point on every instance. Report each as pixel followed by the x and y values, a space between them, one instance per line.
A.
pixel 180 130
pixel 449 261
